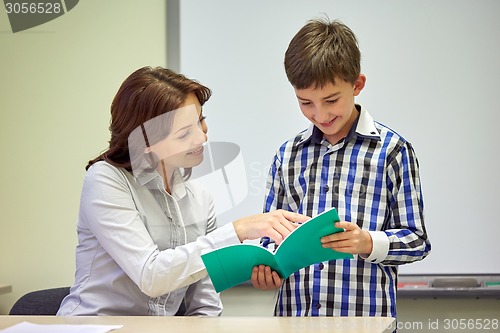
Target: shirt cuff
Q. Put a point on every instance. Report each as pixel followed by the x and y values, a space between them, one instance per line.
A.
pixel 380 247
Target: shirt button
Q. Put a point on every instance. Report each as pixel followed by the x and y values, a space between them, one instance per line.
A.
pixel 318 306
pixel 327 188
pixel 321 266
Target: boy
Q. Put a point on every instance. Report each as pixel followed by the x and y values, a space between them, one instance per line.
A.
pixel 348 161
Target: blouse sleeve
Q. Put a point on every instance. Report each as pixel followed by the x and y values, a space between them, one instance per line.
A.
pixel 108 210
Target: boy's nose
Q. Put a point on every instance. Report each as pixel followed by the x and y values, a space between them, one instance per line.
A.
pixel 321 115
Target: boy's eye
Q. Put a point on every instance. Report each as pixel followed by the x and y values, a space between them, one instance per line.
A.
pixel 332 101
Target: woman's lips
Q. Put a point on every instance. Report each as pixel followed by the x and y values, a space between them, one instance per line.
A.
pixel 196 152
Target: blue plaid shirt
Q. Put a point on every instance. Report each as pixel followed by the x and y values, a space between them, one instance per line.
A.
pixel 372 178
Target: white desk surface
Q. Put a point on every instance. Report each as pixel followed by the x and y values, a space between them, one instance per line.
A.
pixel 219 324
pixel 4 288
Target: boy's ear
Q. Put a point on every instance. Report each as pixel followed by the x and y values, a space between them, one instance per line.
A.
pixel 359 84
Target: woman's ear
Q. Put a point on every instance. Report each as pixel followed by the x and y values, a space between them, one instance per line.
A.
pixel 359 84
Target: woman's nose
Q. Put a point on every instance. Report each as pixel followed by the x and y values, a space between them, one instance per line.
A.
pixel 204 126
pixel 201 135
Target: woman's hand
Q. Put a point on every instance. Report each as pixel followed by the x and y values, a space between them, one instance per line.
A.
pixel 275 225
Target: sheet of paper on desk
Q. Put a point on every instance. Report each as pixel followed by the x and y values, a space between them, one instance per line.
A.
pixel 26 327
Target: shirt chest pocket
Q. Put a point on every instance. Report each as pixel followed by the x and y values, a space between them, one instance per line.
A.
pixel 301 192
pixel 360 186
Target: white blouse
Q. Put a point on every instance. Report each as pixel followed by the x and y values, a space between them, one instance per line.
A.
pixel 139 248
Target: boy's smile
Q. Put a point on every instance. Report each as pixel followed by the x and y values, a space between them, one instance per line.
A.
pixel 331 107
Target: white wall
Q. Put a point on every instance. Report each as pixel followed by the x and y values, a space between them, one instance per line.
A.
pixel 57 81
pixel 432 72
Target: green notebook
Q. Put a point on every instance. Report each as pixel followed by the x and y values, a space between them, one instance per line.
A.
pixel 232 265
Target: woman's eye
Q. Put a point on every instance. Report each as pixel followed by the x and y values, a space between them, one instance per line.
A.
pixel 183 135
pixel 305 103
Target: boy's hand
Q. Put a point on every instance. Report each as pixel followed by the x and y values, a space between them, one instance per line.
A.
pixel 263 278
pixel 354 240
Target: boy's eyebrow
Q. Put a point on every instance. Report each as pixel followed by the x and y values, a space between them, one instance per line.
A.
pixel 332 95
pixel 326 97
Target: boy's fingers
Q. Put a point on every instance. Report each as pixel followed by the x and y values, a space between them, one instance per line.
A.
pixel 345 225
pixel 277 280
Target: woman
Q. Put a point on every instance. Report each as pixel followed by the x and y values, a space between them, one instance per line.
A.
pixel 142 227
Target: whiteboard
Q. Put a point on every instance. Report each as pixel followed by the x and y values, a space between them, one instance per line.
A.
pixel 432 69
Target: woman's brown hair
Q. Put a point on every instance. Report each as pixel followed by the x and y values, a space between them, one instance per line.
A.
pixel 147 93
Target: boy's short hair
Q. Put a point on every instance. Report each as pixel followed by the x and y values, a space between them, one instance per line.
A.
pixel 321 52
